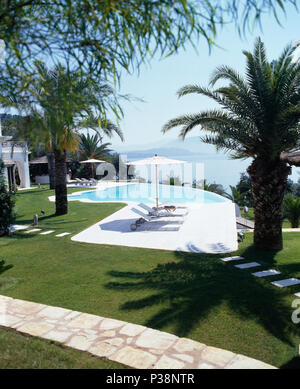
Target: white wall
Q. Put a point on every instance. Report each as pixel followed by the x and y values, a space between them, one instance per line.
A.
pixel 20 157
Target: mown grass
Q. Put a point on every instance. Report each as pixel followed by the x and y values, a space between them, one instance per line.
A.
pixel 250 216
pixel 192 295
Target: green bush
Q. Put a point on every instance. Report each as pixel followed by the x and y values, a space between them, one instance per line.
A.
pixel 291 210
pixel 7 202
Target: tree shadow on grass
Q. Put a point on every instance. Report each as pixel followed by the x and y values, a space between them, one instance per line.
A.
pixel 32 191
pixel 6 282
pixel 265 257
pixel 196 284
pixel 4 267
pixel 49 218
pixel 292 364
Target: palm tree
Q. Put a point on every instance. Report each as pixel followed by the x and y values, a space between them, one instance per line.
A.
pixel 61 102
pixel 236 196
pixel 260 120
pixel 215 188
pixel 91 147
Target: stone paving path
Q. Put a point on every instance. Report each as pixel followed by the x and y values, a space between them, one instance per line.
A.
pixel 130 344
pixel 46 232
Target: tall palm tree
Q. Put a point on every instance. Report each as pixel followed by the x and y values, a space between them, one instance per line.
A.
pixel 61 102
pixel 260 120
pixel 91 147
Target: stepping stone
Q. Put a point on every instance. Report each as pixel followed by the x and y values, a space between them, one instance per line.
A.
pixel 247 265
pixel 266 273
pixel 18 227
pixel 287 282
pixel 228 259
pixel 34 230
pixel 297 294
pixel 46 232
pixel 63 234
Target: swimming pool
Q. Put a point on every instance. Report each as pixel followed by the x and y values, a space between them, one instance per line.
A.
pixel 146 193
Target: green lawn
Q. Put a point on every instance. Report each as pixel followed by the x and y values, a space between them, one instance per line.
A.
pixel 250 216
pixel 191 295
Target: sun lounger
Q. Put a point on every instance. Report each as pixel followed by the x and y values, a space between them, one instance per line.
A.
pixel 152 219
pixel 86 182
pixel 79 182
pixel 142 214
pixel 166 210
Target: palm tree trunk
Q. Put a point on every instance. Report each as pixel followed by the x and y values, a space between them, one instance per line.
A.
pixel 269 180
pixel 61 199
pixel 51 169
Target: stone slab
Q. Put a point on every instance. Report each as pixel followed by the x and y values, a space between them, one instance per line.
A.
pixel 85 320
pixel 18 227
pixel 103 349
pixel 242 362
pixel 155 339
pixel 168 363
pixel 33 230
pixel 81 341
pixel 188 345
pixel 132 329
pixel 217 356
pixel 46 232
pixel 247 265
pixel 58 336
pixel 72 315
pixel 63 234
pixel 108 334
pixel 7 320
pixel 3 307
pixel 287 282
pixel 266 273
pixel 53 312
pixel 115 341
pixel 35 328
pixel 110 324
pixel 25 307
pixel 5 299
pixel 136 358
pixel 184 357
pixel 204 365
pixel 228 259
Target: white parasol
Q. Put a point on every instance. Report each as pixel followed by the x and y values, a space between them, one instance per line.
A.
pixel 156 160
pixel 93 161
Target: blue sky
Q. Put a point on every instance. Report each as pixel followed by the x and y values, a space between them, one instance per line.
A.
pixel 158 82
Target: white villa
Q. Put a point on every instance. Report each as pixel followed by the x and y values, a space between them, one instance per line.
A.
pixel 15 156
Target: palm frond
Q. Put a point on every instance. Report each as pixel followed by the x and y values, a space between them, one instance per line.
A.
pixel 260 113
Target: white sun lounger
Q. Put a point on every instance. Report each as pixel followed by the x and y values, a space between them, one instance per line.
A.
pixel 151 219
pixel 160 213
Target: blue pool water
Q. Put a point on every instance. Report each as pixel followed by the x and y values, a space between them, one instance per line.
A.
pixel 146 193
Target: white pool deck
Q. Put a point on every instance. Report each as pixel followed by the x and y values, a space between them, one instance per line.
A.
pixel 207 228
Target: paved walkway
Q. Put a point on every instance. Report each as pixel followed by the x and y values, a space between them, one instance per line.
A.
pixel 130 344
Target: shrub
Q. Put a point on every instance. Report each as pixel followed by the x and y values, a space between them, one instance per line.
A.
pixel 291 210
pixel 7 202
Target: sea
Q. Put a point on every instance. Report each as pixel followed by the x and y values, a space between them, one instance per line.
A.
pixel 218 169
